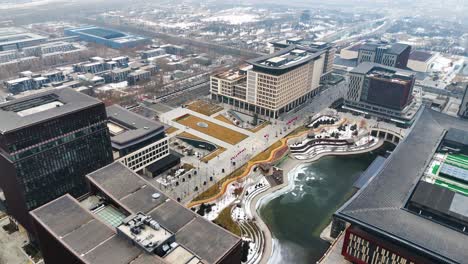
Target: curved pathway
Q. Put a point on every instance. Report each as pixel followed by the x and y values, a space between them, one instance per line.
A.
pixel 288 166
pixel 251 165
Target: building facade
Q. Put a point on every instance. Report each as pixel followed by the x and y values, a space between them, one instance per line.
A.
pixel 147 226
pixel 273 84
pixel 393 55
pixel 382 90
pixel 327 47
pixel 136 141
pixel 414 210
pixel 463 111
pixel 48 143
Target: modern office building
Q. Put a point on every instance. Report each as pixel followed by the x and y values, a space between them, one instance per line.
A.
pixel 312 46
pixel 463 111
pixel 33 81
pixel 48 142
pixel 393 55
pixel 273 84
pixel 127 220
pixel 383 91
pixel 415 209
pixel 136 141
pixel 108 37
pixel 17 38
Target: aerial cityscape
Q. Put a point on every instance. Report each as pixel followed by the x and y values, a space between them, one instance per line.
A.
pixel 252 131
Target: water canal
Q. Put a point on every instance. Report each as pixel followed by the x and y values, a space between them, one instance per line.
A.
pixel 297 215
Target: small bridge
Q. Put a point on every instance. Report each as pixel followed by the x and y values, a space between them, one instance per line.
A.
pixel 387 135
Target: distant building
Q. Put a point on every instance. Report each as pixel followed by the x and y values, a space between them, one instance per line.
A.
pixel 415 209
pixel 383 91
pixel 16 39
pixel 33 81
pixel 127 220
pixel 48 142
pixel 108 37
pixel 136 141
pixel 463 111
pixel 393 55
pixel 421 61
pixel 312 46
pixel 152 53
pixel 273 84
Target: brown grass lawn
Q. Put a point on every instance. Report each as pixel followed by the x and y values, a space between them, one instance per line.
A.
pixel 171 130
pixel 224 119
pixel 260 127
pixel 222 133
pixel 204 108
pixel 213 154
pixel 224 220
pixel 189 136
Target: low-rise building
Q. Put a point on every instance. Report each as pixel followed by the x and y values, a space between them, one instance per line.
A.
pixel 136 141
pixel 415 209
pixel 421 61
pixel 127 220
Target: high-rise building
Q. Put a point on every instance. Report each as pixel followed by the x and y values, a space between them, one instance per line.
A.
pixel 127 220
pixel 312 46
pixel 415 208
pixel 382 90
pixel 393 55
pixel 48 143
pixel 273 84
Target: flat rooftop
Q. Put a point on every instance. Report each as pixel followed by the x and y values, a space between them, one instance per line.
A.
pixel 394 48
pixel 285 59
pixel 14 38
pixel 422 56
pixel 105 33
pixel 87 237
pixel 197 236
pixel 367 67
pixel 127 127
pixel 380 205
pixel 36 108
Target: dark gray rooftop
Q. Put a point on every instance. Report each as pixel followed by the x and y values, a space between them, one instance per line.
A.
pixel 215 239
pixel 419 55
pixel 85 235
pixel 312 55
pixel 447 202
pixel 395 48
pixel 73 101
pixel 379 205
pixel 370 172
pixel 126 188
pixel 172 216
pixel 68 219
pixel 137 127
pixel 136 197
pixel 457 135
pixel 366 67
